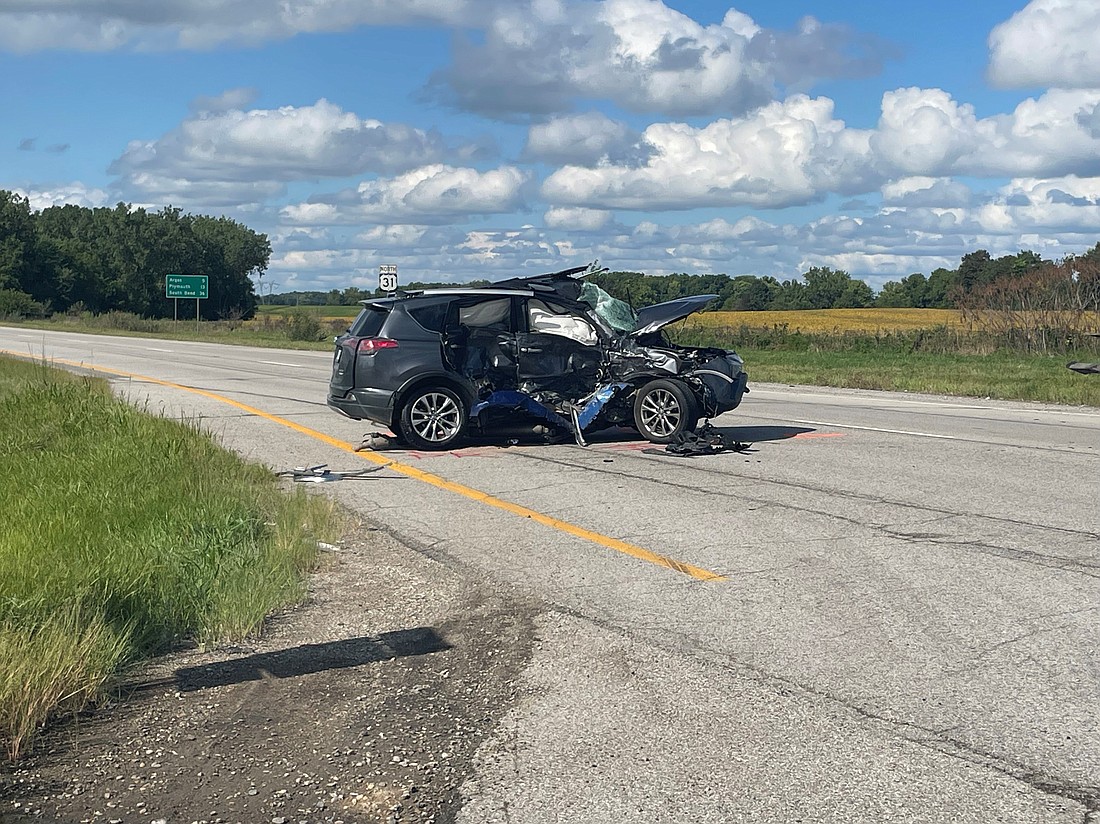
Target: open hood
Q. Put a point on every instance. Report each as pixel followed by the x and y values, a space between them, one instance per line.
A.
pixel 652 318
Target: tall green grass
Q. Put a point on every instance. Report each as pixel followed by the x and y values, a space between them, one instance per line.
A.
pixel 941 358
pixel 122 533
pixel 1001 375
pixel 938 360
pixel 293 329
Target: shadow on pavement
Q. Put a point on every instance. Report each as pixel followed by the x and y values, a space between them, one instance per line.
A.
pixel 312 658
pixel 756 434
pixel 612 435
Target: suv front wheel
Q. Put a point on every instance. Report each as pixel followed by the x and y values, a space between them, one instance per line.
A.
pixel 433 417
pixel 664 409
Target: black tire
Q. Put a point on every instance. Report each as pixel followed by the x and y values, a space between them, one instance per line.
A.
pixel 664 409
pixel 433 417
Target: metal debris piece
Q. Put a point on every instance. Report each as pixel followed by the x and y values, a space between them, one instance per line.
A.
pixel 1085 368
pixel 322 474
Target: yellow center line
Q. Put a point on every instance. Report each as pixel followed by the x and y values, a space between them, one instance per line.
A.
pixel 420 475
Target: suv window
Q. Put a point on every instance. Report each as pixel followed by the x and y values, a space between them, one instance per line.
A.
pixel 431 317
pixel 495 313
pixel 369 323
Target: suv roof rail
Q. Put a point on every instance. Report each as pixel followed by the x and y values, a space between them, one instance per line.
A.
pixel 517 285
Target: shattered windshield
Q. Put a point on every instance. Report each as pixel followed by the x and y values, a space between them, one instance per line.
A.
pixel 616 313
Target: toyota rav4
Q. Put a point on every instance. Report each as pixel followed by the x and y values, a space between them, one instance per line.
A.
pixel 553 354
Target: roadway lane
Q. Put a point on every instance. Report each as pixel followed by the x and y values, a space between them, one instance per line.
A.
pixel 905 630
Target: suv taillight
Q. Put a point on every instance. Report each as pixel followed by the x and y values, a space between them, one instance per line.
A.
pixel 371 345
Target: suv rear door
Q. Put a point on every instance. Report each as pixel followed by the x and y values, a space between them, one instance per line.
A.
pixel 479 339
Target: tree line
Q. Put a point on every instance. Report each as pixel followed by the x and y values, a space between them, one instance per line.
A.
pixel 819 287
pixel 72 258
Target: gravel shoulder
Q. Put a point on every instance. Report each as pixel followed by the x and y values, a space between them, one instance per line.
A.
pixel 365 704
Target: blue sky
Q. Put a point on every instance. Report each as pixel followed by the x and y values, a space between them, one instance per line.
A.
pixel 462 139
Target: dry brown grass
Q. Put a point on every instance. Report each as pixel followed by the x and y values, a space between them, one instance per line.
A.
pixel 838 320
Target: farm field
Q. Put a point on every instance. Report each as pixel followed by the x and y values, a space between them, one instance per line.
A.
pixel 837 320
pixel 321 313
pixel 804 320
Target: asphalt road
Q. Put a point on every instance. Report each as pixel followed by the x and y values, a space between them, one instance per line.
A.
pixel 886 610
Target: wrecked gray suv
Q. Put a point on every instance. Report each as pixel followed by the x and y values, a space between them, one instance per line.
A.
pixel 552 355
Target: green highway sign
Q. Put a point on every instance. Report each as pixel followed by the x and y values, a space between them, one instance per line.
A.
pixel 187 286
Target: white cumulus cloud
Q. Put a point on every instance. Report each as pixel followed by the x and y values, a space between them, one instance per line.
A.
pixel 581 139
pixel 153 25
pixel 785 153
pixel 431 194
pixel 538 57
pixel 926 132
pixel 796 151
pixel 1048 43
pixel 926 191
pixel 577 219
pixel 256 151
pixel 75 193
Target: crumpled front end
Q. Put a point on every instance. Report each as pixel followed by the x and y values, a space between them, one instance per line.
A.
pixel 723 381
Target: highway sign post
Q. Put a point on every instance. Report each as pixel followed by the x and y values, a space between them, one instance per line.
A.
pixel 387 277
pixel 187 286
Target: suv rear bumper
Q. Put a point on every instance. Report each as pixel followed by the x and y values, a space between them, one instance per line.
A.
pixel 365 404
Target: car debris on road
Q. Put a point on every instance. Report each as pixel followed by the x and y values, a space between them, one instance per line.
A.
pixel 1086 368
pixel 548 355
pixel 322 474
pixel 706 440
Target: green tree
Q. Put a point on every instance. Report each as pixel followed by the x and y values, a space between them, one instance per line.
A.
pixel 910 292
pixel 232 255
pixel 941 285
pixel 352 295
pixel 750 294
pixel 18 262
pixel 892 295
pixel 16 304
pixel 972 270
pixel 67 246
pixel 825 287
pixel 791 294
pixel 856 295
pixel 117 258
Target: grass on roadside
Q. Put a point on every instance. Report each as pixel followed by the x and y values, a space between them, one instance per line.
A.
pixel 1001 375
pixel 344 314
pixel 125 532
pixel 941 360
pixel 916 350
pixel 296 329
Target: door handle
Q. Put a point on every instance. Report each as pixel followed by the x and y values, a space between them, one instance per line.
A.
pixel 526 349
